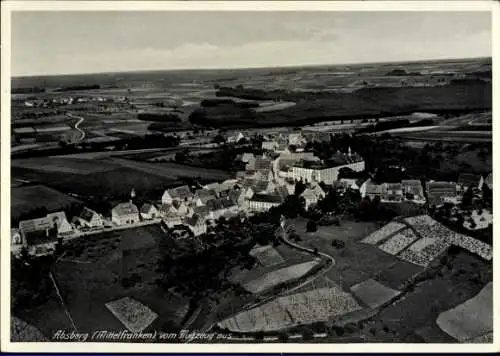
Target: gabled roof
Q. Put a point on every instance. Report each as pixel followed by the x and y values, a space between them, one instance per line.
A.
pixel 219 204
pixel 87 214
pixel 57 218
pixel 205 194
pixel 147 207
pixel 39 224
pixel 468 179
pixel 181 192
pixel 263 164
pixel 202 211
pixel 125 209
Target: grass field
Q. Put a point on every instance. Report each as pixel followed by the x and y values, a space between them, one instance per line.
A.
pixel 373 293
pixel 114 183
pixel 472 319
pixel 266 255
pixel 25 199
pixel 92 274
pixel 64 165
pixel 414 315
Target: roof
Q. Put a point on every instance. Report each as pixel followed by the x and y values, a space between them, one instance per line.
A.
pixel 468 179
pixel 202 211
pixel 260 186
pixel 267 198
pixel 57 218
pixel 205 194
pixel 219 204
pixel 181 192
pixel 87 214
pixel 125 209
pixel 441 188
pixel 263 164
pixel 193 220
pixel 40 224
pixel 247 157
pixel 393 186
pixel 411 183
pixel 147 207
pixel 281 191
pixel 372 188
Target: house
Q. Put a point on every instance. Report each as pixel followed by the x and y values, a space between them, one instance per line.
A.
pixel 182 193
pixel 38 235
pixel 320 172
pixel 89 218
pixel 312 195
pixel 196 224
pixel 201 196
pixel 371 189
pixel 488 180
pixel 60 223
pixel 238 196
pixel 263 187
pixel 412 190
pixel 265 175
pixel 235 138
pixel 263 164
pixel 182 209
pixel 125 213
pixel 439 193
pixel 219 207
pixel 247 157
pixel 171 221
pixel 349 183
pixel 149 212
pixel 263 202
pixel 270 145
pixel 466 180
pixel 202 211
pixel 392 192
pixel 296 139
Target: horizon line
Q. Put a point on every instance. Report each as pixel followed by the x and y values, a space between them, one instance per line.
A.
pixel 249 68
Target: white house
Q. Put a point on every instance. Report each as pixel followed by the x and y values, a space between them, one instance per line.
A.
pixel 270 145
pixel 60 223
pixel 349 183
pixel 172 220
pixel 235 138
pixel 149 212
pixel 89 218
pixel 312 195
pixel 125 213
pixel 261 202
pixel 196 224
pixel 182 193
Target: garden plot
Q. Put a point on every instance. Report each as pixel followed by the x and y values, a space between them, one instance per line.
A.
pixel 383 233
pixel 429 228
pixel 134 315
pixel 425 250
pixel 282 275
pixel 470 320
pixel 373 293
pixel 399 242
pixel 266 255
pixel 296 309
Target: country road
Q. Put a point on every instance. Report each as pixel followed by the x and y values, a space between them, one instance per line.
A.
pixel 80 120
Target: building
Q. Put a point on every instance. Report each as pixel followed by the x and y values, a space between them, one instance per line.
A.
pixel 182 193
pixel 202 211
pixel 263 187
pixel 220 207
pixel 296 139
pixel 171 221
pixel 39 235
pixel 439 193
pixel 466 180
pixel 263 202
pixel 392 192
pixel 312 195
pixel 235 138
pixel 264 175
pixel 124 214
pixel 201 196
pixel 349 183
pixel 247 157
pixel 311 172
pixel 16 241
pixel 149 212
pixel 371 189
pixel 488 180
pixel 270 145
pixel 196 224
pixel 88 218
pixel 413 190
pixel 263 164
pixel 60 223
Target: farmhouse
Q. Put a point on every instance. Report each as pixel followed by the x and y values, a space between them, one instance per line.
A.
pixel 466 180
pixel 125 213
pixel 201 196
pixel 196 224
pixel 412 189
pixel 60 223
pixel 182 193
pixel 39 235
pixel 149 212
pixel 89 218
pixel 439 193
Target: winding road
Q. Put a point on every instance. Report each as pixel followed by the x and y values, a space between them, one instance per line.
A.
pixel 80 120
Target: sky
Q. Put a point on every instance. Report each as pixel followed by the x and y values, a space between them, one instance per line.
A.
pixel 72 42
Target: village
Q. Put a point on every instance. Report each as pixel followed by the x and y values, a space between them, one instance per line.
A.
pixel 266 182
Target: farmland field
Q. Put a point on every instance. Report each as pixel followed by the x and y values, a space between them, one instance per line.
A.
pixel 373 293
pixel 64 165
pixel 279 276
pixel 101 268
pixel 25 199
pixel 267 255
pixel 471 319
pixel 294 309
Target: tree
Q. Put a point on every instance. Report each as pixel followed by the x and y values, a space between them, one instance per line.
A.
pixel 219 139
pixel 311 226
pixel 299 187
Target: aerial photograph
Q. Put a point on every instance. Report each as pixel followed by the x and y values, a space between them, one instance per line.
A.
pixel 251 177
